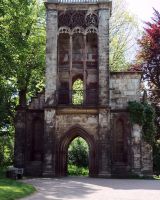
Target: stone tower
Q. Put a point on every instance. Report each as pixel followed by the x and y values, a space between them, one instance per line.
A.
pixel 77 50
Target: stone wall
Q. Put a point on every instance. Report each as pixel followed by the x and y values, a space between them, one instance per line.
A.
pixel 146 159
pixel 120 145
pixel 124 87
pixel 64 122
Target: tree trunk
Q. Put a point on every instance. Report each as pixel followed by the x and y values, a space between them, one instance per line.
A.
pixel 22 97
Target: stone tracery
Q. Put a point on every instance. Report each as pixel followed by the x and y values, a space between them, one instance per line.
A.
pixel 81 18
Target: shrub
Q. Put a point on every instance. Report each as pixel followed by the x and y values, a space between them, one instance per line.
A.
pixel 74 170
pixel 78 153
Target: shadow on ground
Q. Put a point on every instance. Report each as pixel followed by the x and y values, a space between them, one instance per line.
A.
pixel 94 189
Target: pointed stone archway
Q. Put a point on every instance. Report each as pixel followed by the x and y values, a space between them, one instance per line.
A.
pixel 62 151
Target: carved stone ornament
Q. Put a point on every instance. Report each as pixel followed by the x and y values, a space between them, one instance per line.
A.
pixel 82 18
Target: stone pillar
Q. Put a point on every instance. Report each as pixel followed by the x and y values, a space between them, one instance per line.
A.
pixel 146 159
pixel 51 57
pixel 103 47
pixel 104 120
pixel 104 144
pixel 49 143
pixel 50 91
pixel 20 135
pixel 136 138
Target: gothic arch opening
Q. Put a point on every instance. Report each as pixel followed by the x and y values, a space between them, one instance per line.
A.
pixel 77 91
pixel 78 52
pixel 62 154
pixel 63 51
pixel 92 51
pixel 37 140
pixel 78 154
pixel 120 144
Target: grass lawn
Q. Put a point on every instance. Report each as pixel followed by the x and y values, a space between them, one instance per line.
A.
pixel 11 189
pixel 157 177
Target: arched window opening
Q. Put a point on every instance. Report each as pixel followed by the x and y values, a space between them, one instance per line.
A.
pixel 78 157
pixel 92 50
pixel 37 141
pixel 78 50
pixel 119 143
pixel 77 54
pixel 77 92
pixel 63 51
pixel 64 93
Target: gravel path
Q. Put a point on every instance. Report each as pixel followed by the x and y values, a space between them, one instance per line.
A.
pixel 77 188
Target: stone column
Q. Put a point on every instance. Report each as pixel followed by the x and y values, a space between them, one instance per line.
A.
pixel 20 135
pixel 50 91
pixel 104 143
pixel 103 54
pixel 49 143
pixel 104 116
pixel 51 57
pixel 136 137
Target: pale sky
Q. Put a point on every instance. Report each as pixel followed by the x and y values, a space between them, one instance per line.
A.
pixel 143 8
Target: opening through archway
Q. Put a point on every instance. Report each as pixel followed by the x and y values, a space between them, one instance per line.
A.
pixel 77 92
pixel 78 157
pixel 62 153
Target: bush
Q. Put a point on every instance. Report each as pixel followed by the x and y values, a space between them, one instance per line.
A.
pixel 144 115
pixel 74 170
pixel 6 150
pixel 78 153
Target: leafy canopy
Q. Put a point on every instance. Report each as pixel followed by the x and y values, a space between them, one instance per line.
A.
pixel 150 54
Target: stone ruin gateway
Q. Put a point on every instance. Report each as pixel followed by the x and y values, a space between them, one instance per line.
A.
pixel 77 48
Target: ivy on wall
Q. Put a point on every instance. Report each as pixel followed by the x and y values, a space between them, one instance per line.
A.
pixel 144 115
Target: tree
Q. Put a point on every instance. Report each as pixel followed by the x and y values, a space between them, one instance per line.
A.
pixel 123 31
pixel 78 152
pixel 22 44
pixel 149 56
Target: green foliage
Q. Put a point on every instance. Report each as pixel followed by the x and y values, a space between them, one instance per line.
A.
pixel 123 31
pixel 150 61
pixel 149 58
pixel 77 96
pixel 22 58
pixel 8 102
pixel 11 190
pixel 22 44
pixel 74 170
pixel 6 149
pixel 149 129
pixel 78 153
pixel 144 115
pixel 136 111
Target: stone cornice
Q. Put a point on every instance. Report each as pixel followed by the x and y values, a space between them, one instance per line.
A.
pixel 91 111
pixel 78 6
